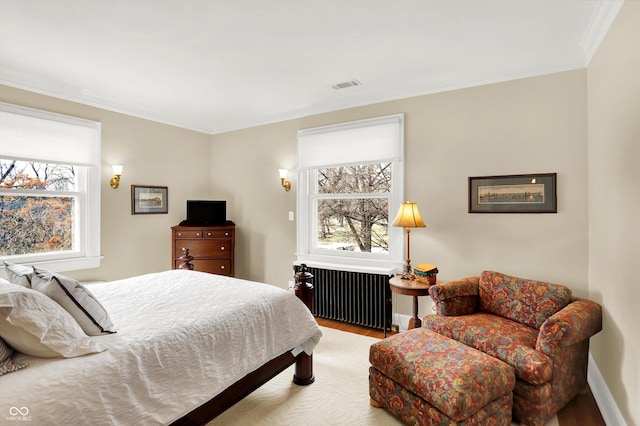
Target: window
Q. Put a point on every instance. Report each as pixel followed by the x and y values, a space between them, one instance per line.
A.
pixel 350 183
pixel 49 189
pixel 353 208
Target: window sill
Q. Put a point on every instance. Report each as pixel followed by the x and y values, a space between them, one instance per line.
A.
pixel 64 265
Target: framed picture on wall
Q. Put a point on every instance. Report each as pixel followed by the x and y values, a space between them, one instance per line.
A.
pixel 149 199
pixel 533 193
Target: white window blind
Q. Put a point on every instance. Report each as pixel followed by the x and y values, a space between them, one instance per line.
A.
pixel 364 141
pixel 27 134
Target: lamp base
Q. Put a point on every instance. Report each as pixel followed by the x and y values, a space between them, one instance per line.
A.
pixel 407 273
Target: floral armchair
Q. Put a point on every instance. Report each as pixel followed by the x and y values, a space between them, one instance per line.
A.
pixel 538 328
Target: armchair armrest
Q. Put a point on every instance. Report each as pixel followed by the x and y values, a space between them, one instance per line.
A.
pixel 460 297
pixel 574 323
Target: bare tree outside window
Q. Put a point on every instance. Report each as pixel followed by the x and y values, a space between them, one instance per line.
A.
pixel 37 207
pixel 353 207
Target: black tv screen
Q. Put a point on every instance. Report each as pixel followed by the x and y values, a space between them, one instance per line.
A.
pixel 205 212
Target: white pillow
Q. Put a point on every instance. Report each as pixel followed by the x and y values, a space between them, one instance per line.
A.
pixel 6 363
pixel 19 274
pixel 35 325
pixel 76 299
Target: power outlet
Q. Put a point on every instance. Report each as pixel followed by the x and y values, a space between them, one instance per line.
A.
pixel 291 216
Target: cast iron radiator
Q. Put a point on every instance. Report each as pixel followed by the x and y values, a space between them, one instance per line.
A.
pixel 352 297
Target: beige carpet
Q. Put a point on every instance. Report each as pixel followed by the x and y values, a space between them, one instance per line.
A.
pixel 339 396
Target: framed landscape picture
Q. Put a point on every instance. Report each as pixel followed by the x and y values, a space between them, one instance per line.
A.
pixel 533 193
pixel 149 199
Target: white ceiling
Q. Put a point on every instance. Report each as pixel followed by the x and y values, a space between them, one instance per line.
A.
pixel 219 65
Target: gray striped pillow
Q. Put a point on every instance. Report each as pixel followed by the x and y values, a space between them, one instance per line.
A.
pixel 6 363
pixel 75 299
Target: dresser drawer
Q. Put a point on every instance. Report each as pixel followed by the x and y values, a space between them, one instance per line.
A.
pixel 191 233
pixel 220 248
pixel 222 233
pixel 212 266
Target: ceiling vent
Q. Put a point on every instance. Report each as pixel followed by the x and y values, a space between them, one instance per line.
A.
pixel 345 84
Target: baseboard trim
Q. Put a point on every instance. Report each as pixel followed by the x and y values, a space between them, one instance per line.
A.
pixel 608 408
pixel 401 320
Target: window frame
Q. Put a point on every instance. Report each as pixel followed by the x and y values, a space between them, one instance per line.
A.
pixel 86 253
pixel 307 226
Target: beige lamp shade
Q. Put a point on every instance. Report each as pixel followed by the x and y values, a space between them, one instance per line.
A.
pixel 408 216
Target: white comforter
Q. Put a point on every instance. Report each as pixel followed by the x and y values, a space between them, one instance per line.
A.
pixel 182 338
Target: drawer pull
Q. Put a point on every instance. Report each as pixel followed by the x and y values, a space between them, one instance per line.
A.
pixel 226 234
pixel 197 234
pixel 208 234
pixel 179 234
pixel 222 248
pixel 222 267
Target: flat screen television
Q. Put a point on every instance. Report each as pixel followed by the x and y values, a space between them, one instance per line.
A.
pixel 206 212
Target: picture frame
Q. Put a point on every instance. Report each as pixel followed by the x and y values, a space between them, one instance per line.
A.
pixel 527 193
pixel 147 199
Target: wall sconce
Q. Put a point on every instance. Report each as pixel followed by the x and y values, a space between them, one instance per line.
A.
pixel 115 180
pixel 286 184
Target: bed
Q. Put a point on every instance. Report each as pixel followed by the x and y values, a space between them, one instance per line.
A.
pixel 187 346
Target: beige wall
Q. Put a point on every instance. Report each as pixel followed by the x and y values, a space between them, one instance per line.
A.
pixel 534 125
pixel 152 154
pixel 614 204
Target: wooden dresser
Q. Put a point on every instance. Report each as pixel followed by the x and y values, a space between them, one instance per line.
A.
pixel 212 247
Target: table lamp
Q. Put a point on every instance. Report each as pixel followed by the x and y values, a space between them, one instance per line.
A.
pixel 408 217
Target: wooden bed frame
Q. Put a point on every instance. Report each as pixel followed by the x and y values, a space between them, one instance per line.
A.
pixel 226 399
pixel 252 381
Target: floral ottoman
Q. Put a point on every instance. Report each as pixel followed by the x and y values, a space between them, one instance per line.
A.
pixel 425 378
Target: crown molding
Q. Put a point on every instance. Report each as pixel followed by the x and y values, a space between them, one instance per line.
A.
pixel 603 16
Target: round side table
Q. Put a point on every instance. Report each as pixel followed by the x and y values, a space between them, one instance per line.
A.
pixel 411 288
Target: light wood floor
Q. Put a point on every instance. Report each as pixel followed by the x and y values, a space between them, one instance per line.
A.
pixel 581 411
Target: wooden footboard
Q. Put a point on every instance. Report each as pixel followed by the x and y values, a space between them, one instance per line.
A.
pixel 252 381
